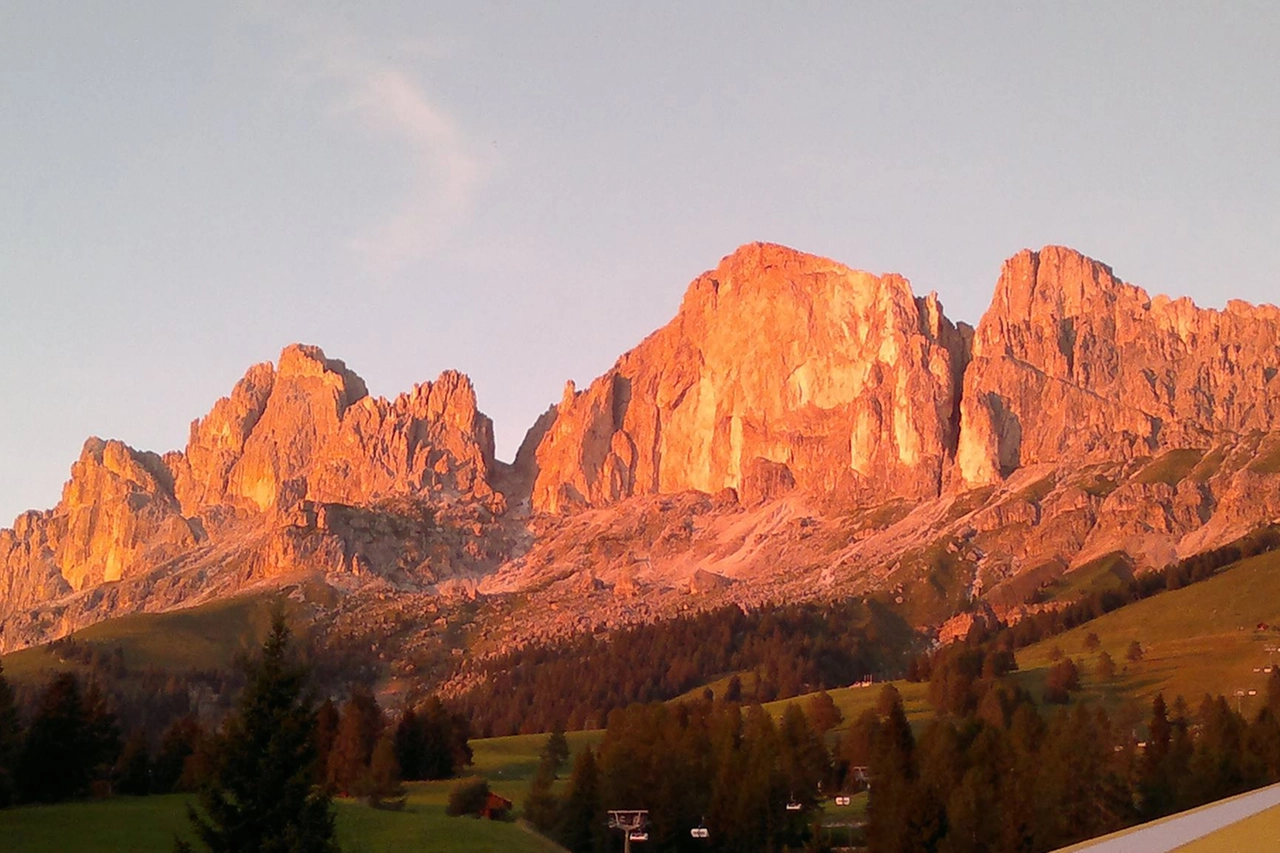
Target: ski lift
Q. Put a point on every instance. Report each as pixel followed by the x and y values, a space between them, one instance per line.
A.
pixel 843 799
pixel 638 835
pixel 700 832
pixel 793 805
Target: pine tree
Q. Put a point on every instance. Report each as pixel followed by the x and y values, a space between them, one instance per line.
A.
pixel 66 742
pixel 383 787
pixel 327 719
pixel 179 742
pixel 1155 786
pixel 358 731
pixel 893 773
pixel 9 739
pixel 823 713
pixel 132 772
pixel 263 797
pixel 411 745
pixel 541 805
pixel 581 822
pixel 556 750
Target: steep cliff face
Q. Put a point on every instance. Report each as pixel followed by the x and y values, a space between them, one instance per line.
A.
pixel 776 360
pixel 309 431
pixel 1071 363
pixel 799 429
pixel 260 484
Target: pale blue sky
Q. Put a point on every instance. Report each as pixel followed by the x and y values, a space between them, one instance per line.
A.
pixel 523 195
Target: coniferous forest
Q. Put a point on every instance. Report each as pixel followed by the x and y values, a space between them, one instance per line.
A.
pixel 786 650
pixel 994 768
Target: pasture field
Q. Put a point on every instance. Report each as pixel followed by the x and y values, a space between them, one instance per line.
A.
pixel 208 636
pixel 1204 638
pixel 149 824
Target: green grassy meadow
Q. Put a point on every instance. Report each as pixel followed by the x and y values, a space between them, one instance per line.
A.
pixel 208 636
pixel 1199 639
pixel 148 825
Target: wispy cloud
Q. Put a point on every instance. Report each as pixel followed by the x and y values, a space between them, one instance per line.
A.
pixel 384 97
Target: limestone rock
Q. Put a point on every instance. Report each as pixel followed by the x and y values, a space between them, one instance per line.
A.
pixel 845 378
pixel 1070 362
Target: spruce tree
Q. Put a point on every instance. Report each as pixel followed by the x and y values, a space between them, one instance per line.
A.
pixel 383 788
pixel 358 732
pixel 263 797
pixel 541 804
pixel 9 736
pixel 556 750
pixel 132 773
pixel 582 821
pixel 67 741
pixel 179 742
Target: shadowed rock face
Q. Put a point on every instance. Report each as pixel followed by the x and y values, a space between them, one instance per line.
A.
pixel 844 378
pixel 798 429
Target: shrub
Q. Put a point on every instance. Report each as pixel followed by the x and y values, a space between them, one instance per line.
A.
pixel 1063 679
pixel 468 796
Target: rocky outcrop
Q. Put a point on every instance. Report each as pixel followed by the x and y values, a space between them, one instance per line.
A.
pixel 309 431
pixel 1071 363
pixel 299 440
pixel 845 379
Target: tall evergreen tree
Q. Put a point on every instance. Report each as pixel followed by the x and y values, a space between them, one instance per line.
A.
pixel 132 773
pixel 327 719
pixel 556 750
pixel 9 740
pixel 383 787
pixel 1155 782
pixel 582 815
pixel 264 796
pixel 178 744
pixel 68 740
pixel 893 774
pixel 541 804
pixel 358 731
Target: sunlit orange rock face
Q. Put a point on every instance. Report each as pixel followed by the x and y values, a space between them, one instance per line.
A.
pixel 1071 363
pixel 799 429
pixel 778 363
pixel 309 430
pixel 303 434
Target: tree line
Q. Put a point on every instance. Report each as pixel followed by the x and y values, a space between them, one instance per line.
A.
pixel 787 650
pixel 73 745
pixel 751 781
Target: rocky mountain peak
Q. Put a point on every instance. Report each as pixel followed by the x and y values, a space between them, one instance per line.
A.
pixel 840 376
pixel 1069 361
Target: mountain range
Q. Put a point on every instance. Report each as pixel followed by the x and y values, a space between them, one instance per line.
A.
pixel 800 430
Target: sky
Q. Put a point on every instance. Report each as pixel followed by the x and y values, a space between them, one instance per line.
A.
pixel 523 191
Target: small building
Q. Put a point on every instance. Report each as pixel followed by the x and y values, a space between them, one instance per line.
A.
pixel 495 807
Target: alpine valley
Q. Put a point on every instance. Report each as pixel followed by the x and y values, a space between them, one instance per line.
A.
pixel 800 431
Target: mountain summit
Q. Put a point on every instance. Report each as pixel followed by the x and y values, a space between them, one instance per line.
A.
pixel 800 429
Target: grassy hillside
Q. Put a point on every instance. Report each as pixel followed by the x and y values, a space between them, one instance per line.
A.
pixel 204 637
pixel 1199 639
